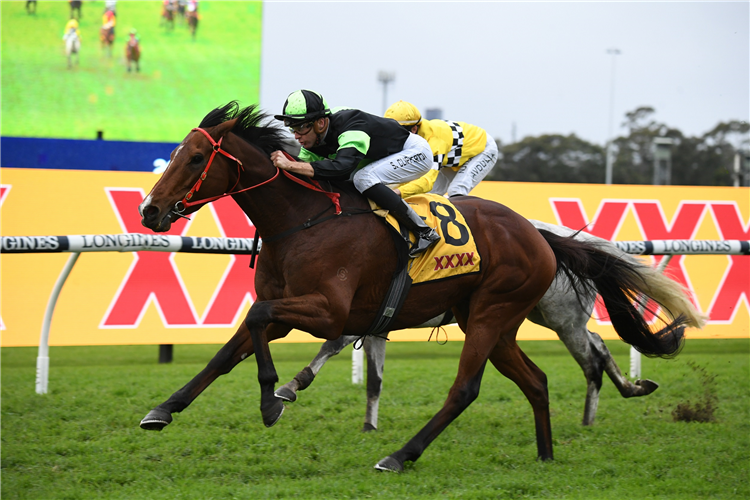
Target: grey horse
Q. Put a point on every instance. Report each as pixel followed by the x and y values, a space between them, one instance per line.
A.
pixel 560 310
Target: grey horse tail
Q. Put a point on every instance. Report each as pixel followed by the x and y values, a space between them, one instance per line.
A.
pixel 620 283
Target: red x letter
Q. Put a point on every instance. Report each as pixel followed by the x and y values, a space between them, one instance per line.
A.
pixel 238 284
pixel 736 283
pixel 153 275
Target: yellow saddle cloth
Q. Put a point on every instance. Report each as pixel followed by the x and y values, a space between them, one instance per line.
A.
pixel 455 254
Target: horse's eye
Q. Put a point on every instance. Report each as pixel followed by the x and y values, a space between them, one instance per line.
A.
pixel 197 159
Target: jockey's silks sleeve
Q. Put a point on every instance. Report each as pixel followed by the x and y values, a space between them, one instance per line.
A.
pixel 353 137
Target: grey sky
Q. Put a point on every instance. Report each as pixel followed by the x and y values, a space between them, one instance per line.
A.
pixel 542 66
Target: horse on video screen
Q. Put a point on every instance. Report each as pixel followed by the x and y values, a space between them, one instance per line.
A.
pixel 560 310
pixel 327 274
pixel 167 14
pixel 191 14
pixel 133 52
pixel 75 9
pixel 107 31
pixel 72 46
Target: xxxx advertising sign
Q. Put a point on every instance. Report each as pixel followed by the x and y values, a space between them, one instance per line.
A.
pixel 113 298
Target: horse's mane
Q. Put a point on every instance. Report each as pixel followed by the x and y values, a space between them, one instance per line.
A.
pixel 252 125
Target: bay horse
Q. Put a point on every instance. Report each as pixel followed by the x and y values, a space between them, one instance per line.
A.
pixel 192 18
pixel 560 310
pixel 329 279
pixel 107 38
pixel 75 6
pixel 133 52
pixel 167 14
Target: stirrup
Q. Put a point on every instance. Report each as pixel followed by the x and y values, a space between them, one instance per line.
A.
pixel 424 241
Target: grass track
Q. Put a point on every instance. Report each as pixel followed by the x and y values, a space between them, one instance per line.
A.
pixel 82 440
pixel 180 80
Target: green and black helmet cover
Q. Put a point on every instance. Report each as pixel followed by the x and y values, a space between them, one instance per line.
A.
pixel 303 106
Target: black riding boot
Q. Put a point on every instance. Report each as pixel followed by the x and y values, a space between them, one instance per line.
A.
pixel 405 215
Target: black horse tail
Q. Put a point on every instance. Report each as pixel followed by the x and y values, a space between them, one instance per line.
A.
pixel 623 282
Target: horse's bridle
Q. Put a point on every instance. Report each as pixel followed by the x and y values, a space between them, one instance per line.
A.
pixel 185 202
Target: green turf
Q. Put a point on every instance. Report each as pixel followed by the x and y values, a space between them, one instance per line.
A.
pixel 180 79
pixel 82 439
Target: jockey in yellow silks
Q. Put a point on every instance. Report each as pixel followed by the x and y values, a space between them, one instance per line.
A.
pixel 72 25
pixel 463 154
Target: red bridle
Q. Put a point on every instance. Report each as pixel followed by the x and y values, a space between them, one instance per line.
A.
pixel 185 202
pixel 216 149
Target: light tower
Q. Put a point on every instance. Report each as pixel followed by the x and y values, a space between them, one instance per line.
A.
pixel 385 78
pixel 610 152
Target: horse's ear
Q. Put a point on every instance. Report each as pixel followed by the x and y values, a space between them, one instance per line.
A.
pixel 223 128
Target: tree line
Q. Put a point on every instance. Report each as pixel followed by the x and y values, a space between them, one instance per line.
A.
pixel 707 160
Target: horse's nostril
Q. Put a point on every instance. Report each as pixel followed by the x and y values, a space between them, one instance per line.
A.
pixel 150 212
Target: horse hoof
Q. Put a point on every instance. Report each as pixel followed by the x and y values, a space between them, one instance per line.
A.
pixel 286 394
pixel 156 420
pixel 369 427
pixel 647 386
pixel 390 464
pixel 273 413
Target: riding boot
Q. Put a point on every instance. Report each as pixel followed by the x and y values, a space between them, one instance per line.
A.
pixel 405 215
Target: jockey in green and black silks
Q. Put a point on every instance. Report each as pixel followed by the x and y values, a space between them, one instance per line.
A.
pixel 375 152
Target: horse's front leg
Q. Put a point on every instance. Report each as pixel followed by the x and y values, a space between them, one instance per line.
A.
pixel 238 348
pixel 311 313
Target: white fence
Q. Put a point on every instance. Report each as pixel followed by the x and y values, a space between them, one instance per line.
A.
pixel 132 242
pixel 135 242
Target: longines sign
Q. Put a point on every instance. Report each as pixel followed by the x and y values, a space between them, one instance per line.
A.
pixel 142 293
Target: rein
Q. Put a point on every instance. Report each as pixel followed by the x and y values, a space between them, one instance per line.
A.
pixel 183 204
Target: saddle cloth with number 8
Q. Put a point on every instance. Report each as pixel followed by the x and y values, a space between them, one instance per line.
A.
pixel 455 254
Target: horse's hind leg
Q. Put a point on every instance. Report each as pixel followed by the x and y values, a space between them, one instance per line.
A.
pixel 508 358
pixel 301 381
pixel 479 321
pixel 375 350
pixel 464 391
pixel 627 388
pixel 560 310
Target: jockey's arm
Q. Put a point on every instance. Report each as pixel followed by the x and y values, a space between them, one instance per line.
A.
pixel 295 167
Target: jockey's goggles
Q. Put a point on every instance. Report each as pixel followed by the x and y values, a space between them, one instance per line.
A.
pixel 302 128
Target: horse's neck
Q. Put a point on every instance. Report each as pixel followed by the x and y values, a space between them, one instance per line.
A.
pixel 279 205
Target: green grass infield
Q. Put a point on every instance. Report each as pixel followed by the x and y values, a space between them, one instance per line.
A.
pixel 82 440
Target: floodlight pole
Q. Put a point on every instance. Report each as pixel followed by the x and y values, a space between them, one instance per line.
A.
pixel 610 152
pixel 385 78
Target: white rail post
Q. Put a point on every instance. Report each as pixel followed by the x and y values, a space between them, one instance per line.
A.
pixel 635 356
pixel 42 359
pixel 358 362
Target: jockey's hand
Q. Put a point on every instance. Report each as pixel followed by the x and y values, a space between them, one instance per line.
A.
pixel 280 160
pixel 298 167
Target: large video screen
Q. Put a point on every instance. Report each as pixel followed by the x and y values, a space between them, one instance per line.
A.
pixel 182 75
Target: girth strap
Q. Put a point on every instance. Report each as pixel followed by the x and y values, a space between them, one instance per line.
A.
pixel 396 295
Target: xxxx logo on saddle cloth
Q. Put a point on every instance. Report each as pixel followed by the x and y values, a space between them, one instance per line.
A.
pixel 455 253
